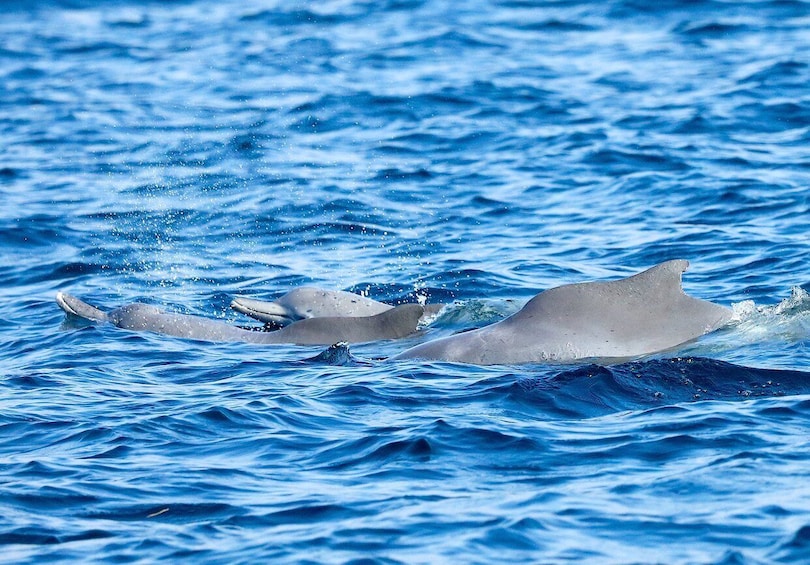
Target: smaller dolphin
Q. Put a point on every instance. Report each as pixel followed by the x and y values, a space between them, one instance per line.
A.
pixel 394 323
pixel 311 302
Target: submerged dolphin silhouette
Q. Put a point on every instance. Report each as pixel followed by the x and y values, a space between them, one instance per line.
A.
pixel 639 315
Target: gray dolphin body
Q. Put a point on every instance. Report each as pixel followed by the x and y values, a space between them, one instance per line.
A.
pixel 394 323
pixel 309 302
pixel 602 321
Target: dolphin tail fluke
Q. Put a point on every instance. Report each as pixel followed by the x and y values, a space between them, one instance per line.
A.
pixel 75 307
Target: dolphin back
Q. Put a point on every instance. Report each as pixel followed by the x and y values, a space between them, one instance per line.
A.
pixel 145 317
pixel 638 315
pixel 394 323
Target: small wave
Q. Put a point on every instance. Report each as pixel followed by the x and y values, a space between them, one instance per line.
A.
pixel 558 25
pixel 372 452
pixel 594 390
pixel 626 162
pixel 301 17
pixel 773 117
pixel 778 73
pixel 45 536
pixel 796 549
pixel 710 29
pixel 175 512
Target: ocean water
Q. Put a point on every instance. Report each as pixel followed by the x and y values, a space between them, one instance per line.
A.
pixel 472 152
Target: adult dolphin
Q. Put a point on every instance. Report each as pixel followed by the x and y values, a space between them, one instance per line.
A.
pixel 602 321
pixel 393 323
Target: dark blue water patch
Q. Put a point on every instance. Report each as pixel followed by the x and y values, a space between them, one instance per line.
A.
pixel 368 454
pixel 118 452
pixel 558 25
pixel 623 81
pixel 39 470
pixel 521 94
pixel 489 449
pixel 252 145
pixel 171 513
pixel 312 47
pixel 36 231
pixel 32 381
pixel 414 143
pixel 443 41
pixel 73 4
pixel 313 123
pixel 779 74
pixel 38 429
pixel 396 294
pixel 462 284
pixel 397 175
pixel 712 10
pixel 619 162
pixel 773 118
pixel 48 499
pixel 710 29
pixel 96 48
pixel 44 536
pixel 700 124
pixel 593 390
pixel 296 17
pixel 8 174
pixel 795 549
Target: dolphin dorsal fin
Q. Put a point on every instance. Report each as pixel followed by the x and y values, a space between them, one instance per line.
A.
pixel 664 277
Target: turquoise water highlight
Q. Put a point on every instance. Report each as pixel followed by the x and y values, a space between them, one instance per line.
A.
pixel 475 152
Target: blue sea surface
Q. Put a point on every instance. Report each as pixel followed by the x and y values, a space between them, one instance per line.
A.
pixel 474 152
